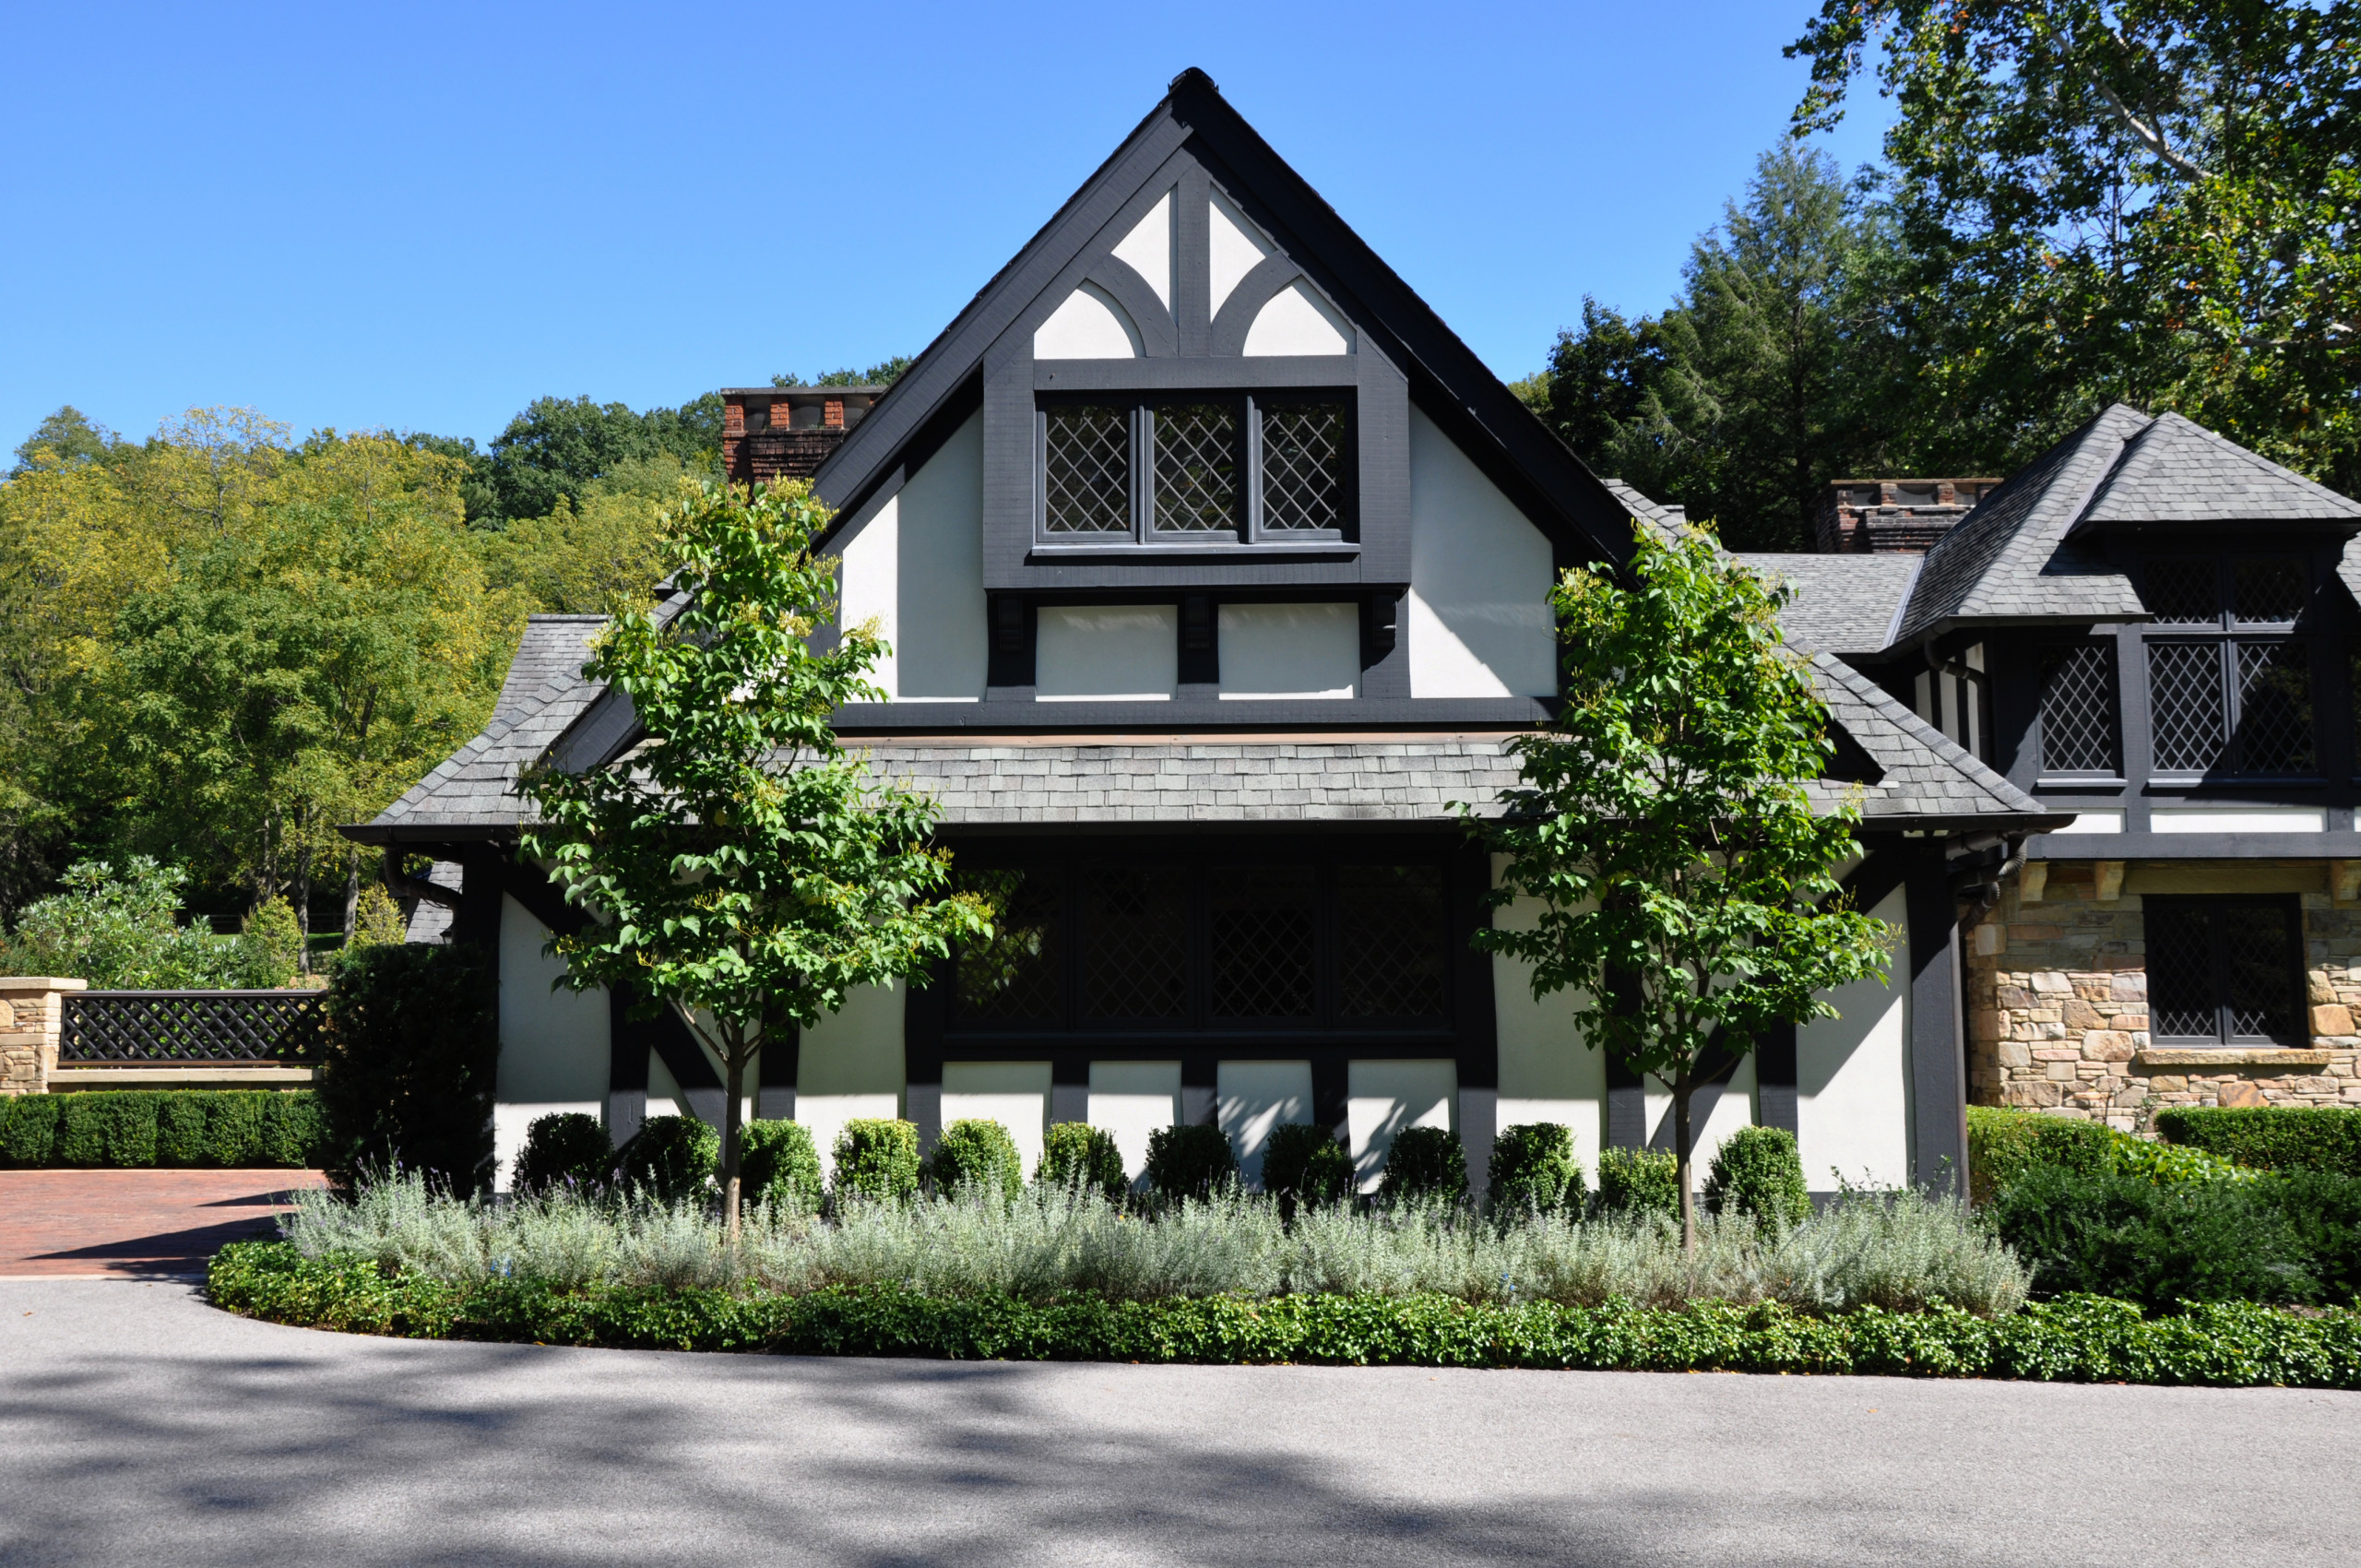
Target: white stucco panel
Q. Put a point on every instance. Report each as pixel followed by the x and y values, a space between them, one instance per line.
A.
pixel 916 569
pixel 1130 1101
pixel 1251 1098
pixel 1296 321
pixel 1289 650
pixel 1088 326
pixel 1479 619
pixel 1546 1073
pixel 1147 249
pixel 1014 1094
pixel 1237 248
pixel 1852 1077
pixel 1107 653
pixel 552 1043
pixel 1385 1097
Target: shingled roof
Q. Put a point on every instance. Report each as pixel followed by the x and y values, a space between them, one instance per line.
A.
pixel 2177 471
pixel 1839 603
pixel 1923 775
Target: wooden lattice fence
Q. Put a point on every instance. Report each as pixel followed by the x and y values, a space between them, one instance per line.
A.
pixel 193 1026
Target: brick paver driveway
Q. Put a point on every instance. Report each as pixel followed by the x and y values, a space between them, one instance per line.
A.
pixel 134 1223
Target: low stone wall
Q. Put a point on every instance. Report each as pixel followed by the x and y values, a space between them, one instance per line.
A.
pixel 33 1015
pixel 2057 997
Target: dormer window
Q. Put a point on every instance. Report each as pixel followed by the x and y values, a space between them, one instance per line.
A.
pixel 1190 469
pixel 2229 682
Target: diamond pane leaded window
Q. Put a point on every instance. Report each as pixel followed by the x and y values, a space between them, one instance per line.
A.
pixel 2224 970
pixel 1088 483
pixel 2078 729
pixel 1013 977
pixel 1262 943
pixel 1390 942
pixel 1196 467
pixel 1303 466
pixel 2185 706
pixel 2267 590
pixel 2182 592
pixel 1135 936
pixel 2274 708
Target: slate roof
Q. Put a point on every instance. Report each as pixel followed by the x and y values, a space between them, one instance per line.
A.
pixel 1841 603
pixel 1922 774
pixel 2178 471
pixel 470 789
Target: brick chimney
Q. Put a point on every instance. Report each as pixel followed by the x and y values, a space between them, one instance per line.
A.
pixel 775 432
pixel 1907 515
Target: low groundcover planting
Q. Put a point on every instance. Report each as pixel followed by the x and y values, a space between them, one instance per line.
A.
pixel 1885 1283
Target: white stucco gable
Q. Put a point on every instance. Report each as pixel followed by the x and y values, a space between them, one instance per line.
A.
pixel 1479 618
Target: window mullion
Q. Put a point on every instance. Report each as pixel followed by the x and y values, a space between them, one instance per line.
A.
pixel 1142 471
pixel 1251 468
pixel 2218 961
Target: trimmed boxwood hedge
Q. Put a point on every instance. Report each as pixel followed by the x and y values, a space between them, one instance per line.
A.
pixel 2078 1340
pixel 140 1129
pixel 2269 1137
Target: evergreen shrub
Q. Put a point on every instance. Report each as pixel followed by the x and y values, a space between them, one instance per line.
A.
pixel 877 1159
pixel 1635 1182
pixel 1190 1161
pixel 2113 1234
pixel 1425 1164
pixel 567 1149
pixel 412 1054
pixel 137 1129
pixel 1759 1172
pixel 1533 1171
pixel 779 1165
pixel 1305 1165
pixel 977 1153
pixel 1076 1154
pixel 670 1159
pixel 2004 1144
pixel 2269 1137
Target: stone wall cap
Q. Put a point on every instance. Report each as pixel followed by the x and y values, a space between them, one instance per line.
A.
pixel 41 983
pixel 2231 1056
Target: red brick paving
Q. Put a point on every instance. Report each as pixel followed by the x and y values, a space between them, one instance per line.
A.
pixel 134 1222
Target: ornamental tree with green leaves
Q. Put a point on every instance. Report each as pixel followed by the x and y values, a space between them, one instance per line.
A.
pixel 739 867
pixel 1679 878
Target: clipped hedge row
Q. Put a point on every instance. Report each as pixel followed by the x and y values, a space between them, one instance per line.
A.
pixel 2079 1339
pixel 2269 1137
pixel 138 1129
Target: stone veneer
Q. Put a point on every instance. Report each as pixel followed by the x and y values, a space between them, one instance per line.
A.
pixel 2057 998
pixel 33 1015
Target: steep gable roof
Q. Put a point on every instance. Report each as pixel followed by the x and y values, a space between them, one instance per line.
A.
pixel 2177 470
pixel 1840 604
pixel 1449 381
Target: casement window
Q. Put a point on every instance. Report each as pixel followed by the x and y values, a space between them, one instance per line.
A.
pixel 2225 971
pixel 1111 944
pixel 2079 730
pixel 1196 467
pixel 2229 679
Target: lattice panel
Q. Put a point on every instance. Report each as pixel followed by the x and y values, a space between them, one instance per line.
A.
pixel 1391 948
pixel 2180 972
pixel 1303 466
pixel 1089 486
pixel 2267 590
pixel 1013 977
pixel 2185 708
pixel 2258 969
pixel 1134 937
pixel 2274 708
pixel 2078 729
pixel 193 1026
pixel 1196 467
pixel 2184 591
pixel 1263 942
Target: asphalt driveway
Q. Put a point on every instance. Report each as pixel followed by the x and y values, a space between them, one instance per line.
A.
pixel 138 1425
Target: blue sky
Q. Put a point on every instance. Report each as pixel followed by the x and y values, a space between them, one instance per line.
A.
pixel 424 217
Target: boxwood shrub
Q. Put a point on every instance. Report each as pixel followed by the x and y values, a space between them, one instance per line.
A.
pixel 1190 1161
pixel 1636 1182
pixel 976 1153
pixel 1303 1164
pixel 566 1149
pixel 137 1129
pixel 670 1159
pixel 1533 1171
pixel 877 1159
pixel 2270 1139
pixel 1077 1155
pixel 1425 1164
pixel 779 1165
pixel 1758 1172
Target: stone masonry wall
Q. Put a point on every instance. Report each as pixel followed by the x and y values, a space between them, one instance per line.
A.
pixel 32 1014
pixel 2058 999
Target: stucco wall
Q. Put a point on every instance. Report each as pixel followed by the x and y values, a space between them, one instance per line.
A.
pixel 1853 1075
pixel 552 1044
pixel 916 569
pixel 1479 608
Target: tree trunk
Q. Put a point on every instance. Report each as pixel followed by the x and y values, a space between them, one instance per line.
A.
pixel 734 1040
pixel 1681 1089
pixel 351 893
pixel 304 912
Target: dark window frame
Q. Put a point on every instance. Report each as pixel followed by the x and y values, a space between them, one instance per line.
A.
pixel 1071 938
pixel 2228 637
pixel 1246 526
pixel 2223 1036
pixel 2105 650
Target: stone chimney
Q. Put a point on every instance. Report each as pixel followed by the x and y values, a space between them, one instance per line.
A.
pixel 775 432
pixel 1907 515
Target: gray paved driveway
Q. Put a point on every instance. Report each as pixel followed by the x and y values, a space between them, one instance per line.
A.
pixel 138 1425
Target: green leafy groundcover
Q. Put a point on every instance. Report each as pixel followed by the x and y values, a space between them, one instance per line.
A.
pixel 2075 1339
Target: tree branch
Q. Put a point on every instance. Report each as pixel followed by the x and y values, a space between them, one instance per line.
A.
pixel 2148 135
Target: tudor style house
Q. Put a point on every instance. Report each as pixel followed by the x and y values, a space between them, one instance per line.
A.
pixel 1216 568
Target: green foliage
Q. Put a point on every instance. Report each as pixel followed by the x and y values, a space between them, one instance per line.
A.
pixel 882 375
pixel 1425 1165
pixel 559 448
pixel 877 1160
pixel 137 1129
pixel 979 1155
pixel 1532 1171
pixel 567 1149
pixel 1662 828
pixel 1076 1155
pixel 2003 1144
pixel 2283 1139
pixel 117 928
pixel 1635 1182
pixel 751 872
pixel 1304 1165
pixel 2119 1235
pixel 412 1059
pixel 2074 1340
pixel 1759 1172
pixel 64 438
pixel 782 1166
pixel 1191 1162
pixel 670 1159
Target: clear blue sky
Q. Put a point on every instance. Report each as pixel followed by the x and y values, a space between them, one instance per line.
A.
pixel 423 216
